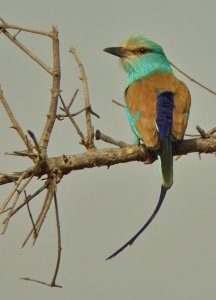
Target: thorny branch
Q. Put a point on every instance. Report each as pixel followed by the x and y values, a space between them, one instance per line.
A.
pixel 89 143
pixel 51 170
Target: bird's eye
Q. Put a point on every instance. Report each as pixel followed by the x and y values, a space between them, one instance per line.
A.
pixel 142 50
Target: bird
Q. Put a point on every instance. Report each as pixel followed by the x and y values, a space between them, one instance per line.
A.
pixel 157 107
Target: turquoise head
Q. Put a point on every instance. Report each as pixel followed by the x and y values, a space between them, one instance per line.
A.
pixel 141 57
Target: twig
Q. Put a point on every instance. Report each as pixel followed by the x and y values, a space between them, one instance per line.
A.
pixel 100 136
pixel 42 215
pixel 90 130
pixel 19 192
pixel 37 146
pixel 118 103
pixel 5 25
pixel 202 132
pixel 53 281
pixel 28 52
pixel 18 32
pixel 192 79
pixel 30 214
pixel 74 114
pixel 56 73
pixel 22 153
pixel 21 177
pixel 46 206
pixel 66 110
pixel 72 99
pixel 14 122
pixel 30 197
pixel 39 281
pixel 59 249
pixel 59 116
pixel 212 131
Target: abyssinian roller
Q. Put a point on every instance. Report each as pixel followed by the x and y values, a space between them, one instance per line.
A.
pixel 157 106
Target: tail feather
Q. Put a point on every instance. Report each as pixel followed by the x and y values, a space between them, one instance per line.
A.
pixel 166 162
pixel 131 241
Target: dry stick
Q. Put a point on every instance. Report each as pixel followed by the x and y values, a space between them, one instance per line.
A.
pixel 8 178
pixel 212 131
pixel 56 73
pixel 43 212
pixel 72 99
pixel 59 116
pixel 21 177
pixel 100 136
pixel 4 25
pixel 30 214
pixel 35 280
pixel 66 110
pixel 19 192
pixel 202 132
pixel 37 146
pixel 90 131
pixel 30 197
pixel 46 206
pixel 14 122
pixel 53 281
pixel 118 103
pixel 75 114
pixel 22 153
pixel 28 52
pixel 192 79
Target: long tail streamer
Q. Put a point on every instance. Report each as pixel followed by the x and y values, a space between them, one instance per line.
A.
pixel 131 241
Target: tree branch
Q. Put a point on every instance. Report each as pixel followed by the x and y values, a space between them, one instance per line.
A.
pixel 90 131
pixel 14 122
pixel 44 140
pixel 192 79
pixel 27 51
pixel 112 156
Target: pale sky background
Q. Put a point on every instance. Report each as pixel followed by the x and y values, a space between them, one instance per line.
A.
pixel 101 209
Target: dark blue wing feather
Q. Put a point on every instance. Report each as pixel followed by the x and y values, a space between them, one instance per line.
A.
pixel 165 105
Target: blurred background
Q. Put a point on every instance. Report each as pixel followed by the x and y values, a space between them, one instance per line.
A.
pixel 102 208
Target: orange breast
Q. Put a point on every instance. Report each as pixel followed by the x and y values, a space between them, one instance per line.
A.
pixel 141 99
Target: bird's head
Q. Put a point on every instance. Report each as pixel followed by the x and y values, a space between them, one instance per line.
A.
pixel 140 56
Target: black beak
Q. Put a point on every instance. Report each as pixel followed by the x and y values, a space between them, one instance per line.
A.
pixel 117 51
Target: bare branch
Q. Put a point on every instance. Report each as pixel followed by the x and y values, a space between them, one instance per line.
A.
pixel 30 214
pixel 22 153
pixel 193 80
pixel 28 52
pixel 66 110
pixel 59 249
pixel 72 99
pixel 44 140
pixel 46 206
pixel 14 122
pixel 43 212
pixel 110 156
pixel 100 136
pixel 118 103
pixel 4 25
pixel 90 130
pixel 39 281
pixel 30 197
pixel 53 281
pixel 17 184
pixel 19 192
